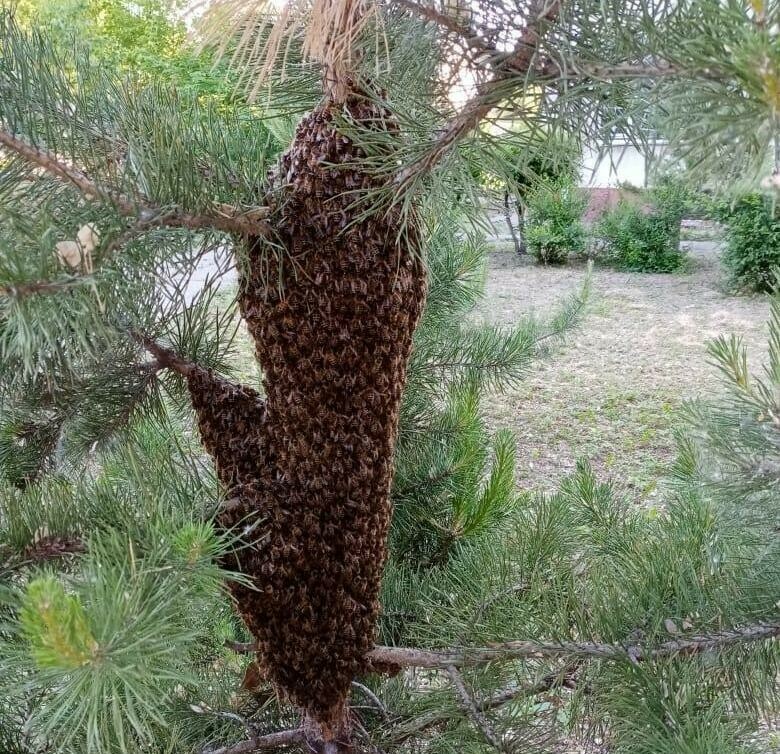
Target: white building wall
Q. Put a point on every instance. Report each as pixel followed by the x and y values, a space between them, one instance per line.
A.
pixel 620 165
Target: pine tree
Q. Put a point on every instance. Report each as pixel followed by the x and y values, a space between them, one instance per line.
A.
pixel 111 192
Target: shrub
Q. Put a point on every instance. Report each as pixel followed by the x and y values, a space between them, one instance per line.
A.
pixel 752 255
pixel 644 239
pixel 555 222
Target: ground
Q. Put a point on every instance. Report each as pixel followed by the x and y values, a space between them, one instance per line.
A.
pixel 611 394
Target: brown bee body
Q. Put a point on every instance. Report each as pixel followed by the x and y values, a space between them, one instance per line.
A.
pixel 332 319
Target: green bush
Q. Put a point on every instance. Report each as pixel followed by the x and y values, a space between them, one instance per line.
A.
pixel 555 227
pixel 645 239
pixel 752 254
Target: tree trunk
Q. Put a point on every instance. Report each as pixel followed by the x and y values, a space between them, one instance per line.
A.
pixel 510 224
pixel 331 303
pixel 521 210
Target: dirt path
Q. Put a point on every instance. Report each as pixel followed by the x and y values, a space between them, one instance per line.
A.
pixel 611 395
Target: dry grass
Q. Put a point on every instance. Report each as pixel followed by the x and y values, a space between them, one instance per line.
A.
pixel 612 394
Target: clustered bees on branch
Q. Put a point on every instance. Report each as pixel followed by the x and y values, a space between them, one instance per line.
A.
pixel 309 470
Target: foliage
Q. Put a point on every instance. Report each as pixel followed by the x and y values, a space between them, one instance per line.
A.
pixel 454 481
pixel 732 444
pixel 555 228
pixel 147 39
pixel 646 238
pixel 528 159
pixel 109 644
pixel 752 229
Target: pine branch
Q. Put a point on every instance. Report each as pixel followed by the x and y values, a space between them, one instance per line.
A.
pixel 262 743
pixel 500 698
pixel 19 290
pixel 50 547
pixel 166 358
pixel 488 95
pixel 471 708
pixel 372 697
pixel 546 683
pixel 223 217
pixel 442 659
pixel 445 21
pixel 516 650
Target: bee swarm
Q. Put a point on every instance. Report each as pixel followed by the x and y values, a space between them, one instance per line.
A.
pixel 309 470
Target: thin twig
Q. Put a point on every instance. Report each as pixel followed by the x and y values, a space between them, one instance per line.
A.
pixel 472 710
pixel 372 697
pixel 204 709
pixel 166 358
pixel 451 24
pixel 222 217
pixel 562 677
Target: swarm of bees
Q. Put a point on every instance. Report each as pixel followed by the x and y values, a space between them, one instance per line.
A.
pixel 309 470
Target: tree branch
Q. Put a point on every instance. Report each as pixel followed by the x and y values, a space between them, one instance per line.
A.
pixel 443 659
pixel 166 358
pixel 488 95
pixel 471 708
pixel 19 290
pixel 563 677
pixel 372 697
pixel 262 743
pixel 447 22
pixel 223 217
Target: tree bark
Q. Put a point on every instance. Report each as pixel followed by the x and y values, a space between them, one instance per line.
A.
pixel 517 241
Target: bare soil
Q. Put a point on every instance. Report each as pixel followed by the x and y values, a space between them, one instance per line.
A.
pixel 611 394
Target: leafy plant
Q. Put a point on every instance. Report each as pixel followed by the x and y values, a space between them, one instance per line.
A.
pixel 645 239
pixel 145 37
pixel 752 251
pixel 555 227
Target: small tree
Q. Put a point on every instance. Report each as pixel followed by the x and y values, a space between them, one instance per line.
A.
pixel 555 228
pixel 643 235
pixel 530 165
pixel 752 253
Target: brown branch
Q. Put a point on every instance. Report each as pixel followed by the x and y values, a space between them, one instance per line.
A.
pixel 488 95
pixel 442 659
pixel 450 660
pixel 166 358
pixel 19 290
pixel 445 21
pixel 506 68
pixel 372 697
pixel 222 217
pixel 563 677
pixel 609 72
pixel 471 708
pixel 52 547
pixel 262 743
